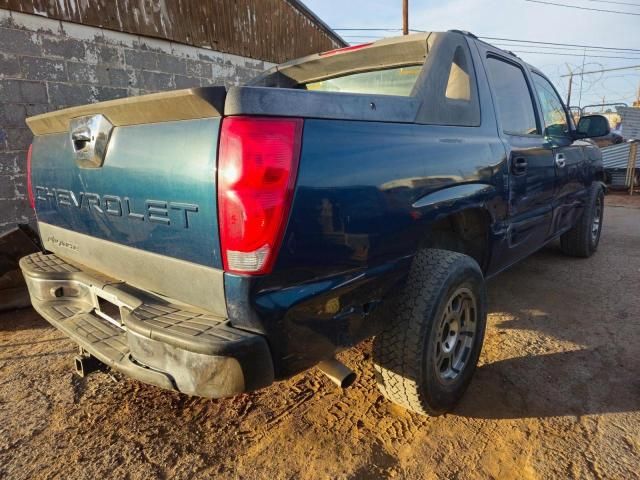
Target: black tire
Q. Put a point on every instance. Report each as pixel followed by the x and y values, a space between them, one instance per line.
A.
pixel 582 240
pixel 405 353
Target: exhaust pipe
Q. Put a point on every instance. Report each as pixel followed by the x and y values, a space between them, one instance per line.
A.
pixel 86 364
pixel 337 372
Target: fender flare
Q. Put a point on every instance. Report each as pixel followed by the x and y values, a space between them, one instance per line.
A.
pixel 455 199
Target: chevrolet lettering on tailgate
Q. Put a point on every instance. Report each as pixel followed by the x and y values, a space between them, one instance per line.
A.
pixel 157 211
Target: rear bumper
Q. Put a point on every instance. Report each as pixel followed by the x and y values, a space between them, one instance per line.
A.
pixel 156 341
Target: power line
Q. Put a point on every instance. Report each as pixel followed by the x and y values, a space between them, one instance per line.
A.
pixel 351 29
pixel 616 3
pixel 583 8
pixel 556 52
pixel 556 49
pixel 534 45
pixel 563 49
pixel 576 55
pixel 601 71
pixel 561 44
pixel 624 75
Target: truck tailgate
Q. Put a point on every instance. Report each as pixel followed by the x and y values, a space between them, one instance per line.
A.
pixel 145 212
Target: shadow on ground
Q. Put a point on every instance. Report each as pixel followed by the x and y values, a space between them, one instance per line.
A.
pixel 569 307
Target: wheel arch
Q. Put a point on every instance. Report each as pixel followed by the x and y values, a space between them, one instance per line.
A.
pixel 460 219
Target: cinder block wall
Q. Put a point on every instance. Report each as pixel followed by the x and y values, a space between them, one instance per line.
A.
pixel 47 65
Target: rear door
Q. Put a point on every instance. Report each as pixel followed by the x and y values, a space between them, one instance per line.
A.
pixel 568 154
pixel 530 160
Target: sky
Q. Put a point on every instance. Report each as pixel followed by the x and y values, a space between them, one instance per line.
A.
pixel 519 20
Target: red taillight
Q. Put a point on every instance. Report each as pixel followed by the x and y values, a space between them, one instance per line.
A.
pixel 32 199
pixel 257 167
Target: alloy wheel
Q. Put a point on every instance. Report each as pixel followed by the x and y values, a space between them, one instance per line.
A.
pixel 455 335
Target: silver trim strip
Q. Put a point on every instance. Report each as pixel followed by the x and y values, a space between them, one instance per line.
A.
pixel 180 280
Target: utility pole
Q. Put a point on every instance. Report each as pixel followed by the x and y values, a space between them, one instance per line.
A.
pixel 570 87
pixel 405 17
pixel 584 55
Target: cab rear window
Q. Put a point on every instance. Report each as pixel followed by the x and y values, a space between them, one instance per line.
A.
pixel 392 81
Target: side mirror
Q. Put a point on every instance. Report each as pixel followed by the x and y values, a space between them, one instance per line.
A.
pixel 592 126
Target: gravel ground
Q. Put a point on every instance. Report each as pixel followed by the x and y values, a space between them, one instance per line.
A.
pixel 556 395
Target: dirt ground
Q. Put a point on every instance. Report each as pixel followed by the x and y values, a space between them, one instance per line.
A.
pixel 556 395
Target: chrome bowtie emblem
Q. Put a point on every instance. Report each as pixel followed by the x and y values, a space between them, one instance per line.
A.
pixel 89 139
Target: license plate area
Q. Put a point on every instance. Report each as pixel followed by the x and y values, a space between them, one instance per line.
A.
pixel 107 306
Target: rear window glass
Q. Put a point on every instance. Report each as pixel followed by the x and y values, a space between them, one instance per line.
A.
pixel 392 81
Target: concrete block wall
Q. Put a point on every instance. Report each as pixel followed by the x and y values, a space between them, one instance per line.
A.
pixel 47 64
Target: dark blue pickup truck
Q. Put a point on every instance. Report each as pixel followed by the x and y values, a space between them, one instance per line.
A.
pixel 212 241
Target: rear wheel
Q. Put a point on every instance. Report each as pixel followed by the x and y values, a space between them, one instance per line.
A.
pixel 425 358
pixel 583 239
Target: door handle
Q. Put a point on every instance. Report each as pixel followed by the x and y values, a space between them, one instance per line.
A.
pixel 561 161
pixel 519 166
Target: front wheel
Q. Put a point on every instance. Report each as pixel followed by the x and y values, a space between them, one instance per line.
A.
pixel 426 356
pixel 583 239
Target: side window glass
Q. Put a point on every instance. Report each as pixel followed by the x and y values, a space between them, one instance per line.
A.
pixel 459 83
pixel 513 98
pixel 555 116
